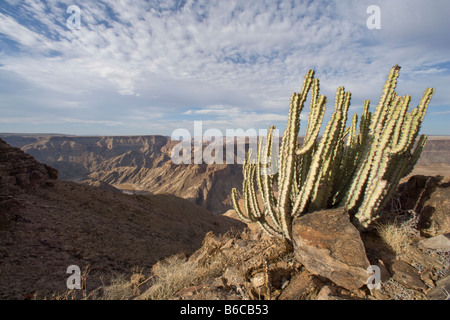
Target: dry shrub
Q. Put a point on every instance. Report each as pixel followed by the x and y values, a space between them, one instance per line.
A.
pixel 119 289
pixel 173 275
pixel 176 272
pixel 397 237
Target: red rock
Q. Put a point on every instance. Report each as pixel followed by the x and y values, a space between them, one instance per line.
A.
pixel 407 275
pixel 327 244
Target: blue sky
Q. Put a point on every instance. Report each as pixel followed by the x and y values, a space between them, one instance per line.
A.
pixel 140 67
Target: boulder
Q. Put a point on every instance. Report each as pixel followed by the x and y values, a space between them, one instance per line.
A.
pixel 413 193
pixel 429 197
pixel 329 245
pixel 434 218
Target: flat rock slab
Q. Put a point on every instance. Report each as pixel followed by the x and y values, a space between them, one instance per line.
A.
pixel 440 243
pixel 329 245
pixel 441 291
pixel 407 275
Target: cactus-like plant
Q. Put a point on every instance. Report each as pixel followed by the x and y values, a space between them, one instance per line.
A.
pixel 358 168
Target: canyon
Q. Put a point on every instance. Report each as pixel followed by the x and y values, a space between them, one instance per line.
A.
pixel 142 164
pixel 111 205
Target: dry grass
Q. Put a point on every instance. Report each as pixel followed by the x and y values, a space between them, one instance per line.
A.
pixel 394 235
pixel 173 275
pixel 399 226
pixel 169 276
pixel 119 289
pixel 74 294
pixel 176 273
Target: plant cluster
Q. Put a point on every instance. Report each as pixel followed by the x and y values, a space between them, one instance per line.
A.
pixel 358 167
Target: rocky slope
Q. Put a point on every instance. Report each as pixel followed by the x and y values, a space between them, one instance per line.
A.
pixel 47 225
pixel 329 258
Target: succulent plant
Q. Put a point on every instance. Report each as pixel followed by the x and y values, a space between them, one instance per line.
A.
pixel 358 168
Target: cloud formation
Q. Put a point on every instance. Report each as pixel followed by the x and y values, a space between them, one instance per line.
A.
pixel 148 67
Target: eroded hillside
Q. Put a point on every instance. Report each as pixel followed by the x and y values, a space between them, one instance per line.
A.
pixel 47 225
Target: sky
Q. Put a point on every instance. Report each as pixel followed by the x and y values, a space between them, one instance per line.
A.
pixel 136 67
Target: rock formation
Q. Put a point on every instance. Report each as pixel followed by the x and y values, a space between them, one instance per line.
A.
pixel 328 244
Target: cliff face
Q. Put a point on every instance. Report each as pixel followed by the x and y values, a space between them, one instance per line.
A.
pixel 77 157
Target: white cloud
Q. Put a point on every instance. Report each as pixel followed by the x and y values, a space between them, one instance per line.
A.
pixel 186 61
pixel 27 38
